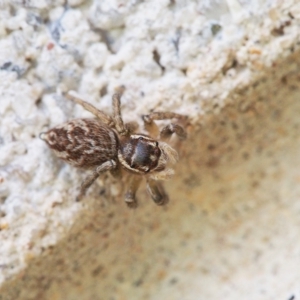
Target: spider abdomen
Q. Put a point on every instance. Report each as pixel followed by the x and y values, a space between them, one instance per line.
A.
pixel 83 143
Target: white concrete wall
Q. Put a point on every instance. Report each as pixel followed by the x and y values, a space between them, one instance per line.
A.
pixel 231 229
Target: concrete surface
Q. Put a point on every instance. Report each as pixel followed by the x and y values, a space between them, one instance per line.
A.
pixel 230 230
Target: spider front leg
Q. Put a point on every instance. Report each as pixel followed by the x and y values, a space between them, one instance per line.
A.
pixel 121 128
pixel 71 95
pixel 157 192
pixel 107 166
pixel 131 191
pixel 168 130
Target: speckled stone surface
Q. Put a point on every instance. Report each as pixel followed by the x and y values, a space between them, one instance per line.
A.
pixel 231 229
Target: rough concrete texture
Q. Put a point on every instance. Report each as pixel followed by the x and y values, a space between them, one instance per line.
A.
pixel 231 229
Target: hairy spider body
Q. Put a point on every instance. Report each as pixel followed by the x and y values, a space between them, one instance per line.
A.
pixel 83 143
pixel 106 143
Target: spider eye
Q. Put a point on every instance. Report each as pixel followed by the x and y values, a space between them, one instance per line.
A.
pixel 141 138
pixel 156 144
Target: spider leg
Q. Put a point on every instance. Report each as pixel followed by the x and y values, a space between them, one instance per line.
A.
pixel 107 166
pixel 71 95
pixel 168 130
pixel 171 128
pixel 116 173
pixel 121 128
pixel 131 191
pixel 160 115
pixel 157 192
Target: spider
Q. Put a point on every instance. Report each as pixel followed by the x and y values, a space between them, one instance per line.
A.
pixel 106 143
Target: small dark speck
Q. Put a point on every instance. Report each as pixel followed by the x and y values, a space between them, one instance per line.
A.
pixel 97 270
pixel 246 155
pixel 291 15
pixel 38 101
pixel 192 181
pixel 105 37
pixel 6 65
pixel 103 91
pixel 284 79
pixel 156 58
pixel 279 31
pixel 173 281
pixel 211 147
pixel 234 126
pixel 138 283
pixel 184 71
pixel 110 215
pixel 102 192
pixel 292 298
pixel 215 28
pixel 216 106
pixel 293 87
pixel 176 39
pixel 18 70
pixel 213 162
pixel 172 2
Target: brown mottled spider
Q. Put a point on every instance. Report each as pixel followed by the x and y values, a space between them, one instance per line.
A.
pixel 107 144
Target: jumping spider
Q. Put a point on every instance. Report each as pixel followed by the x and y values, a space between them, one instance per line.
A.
pixel 107 144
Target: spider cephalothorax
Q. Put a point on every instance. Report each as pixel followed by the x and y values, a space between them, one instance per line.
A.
pixel 142 155
pixel 105 143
